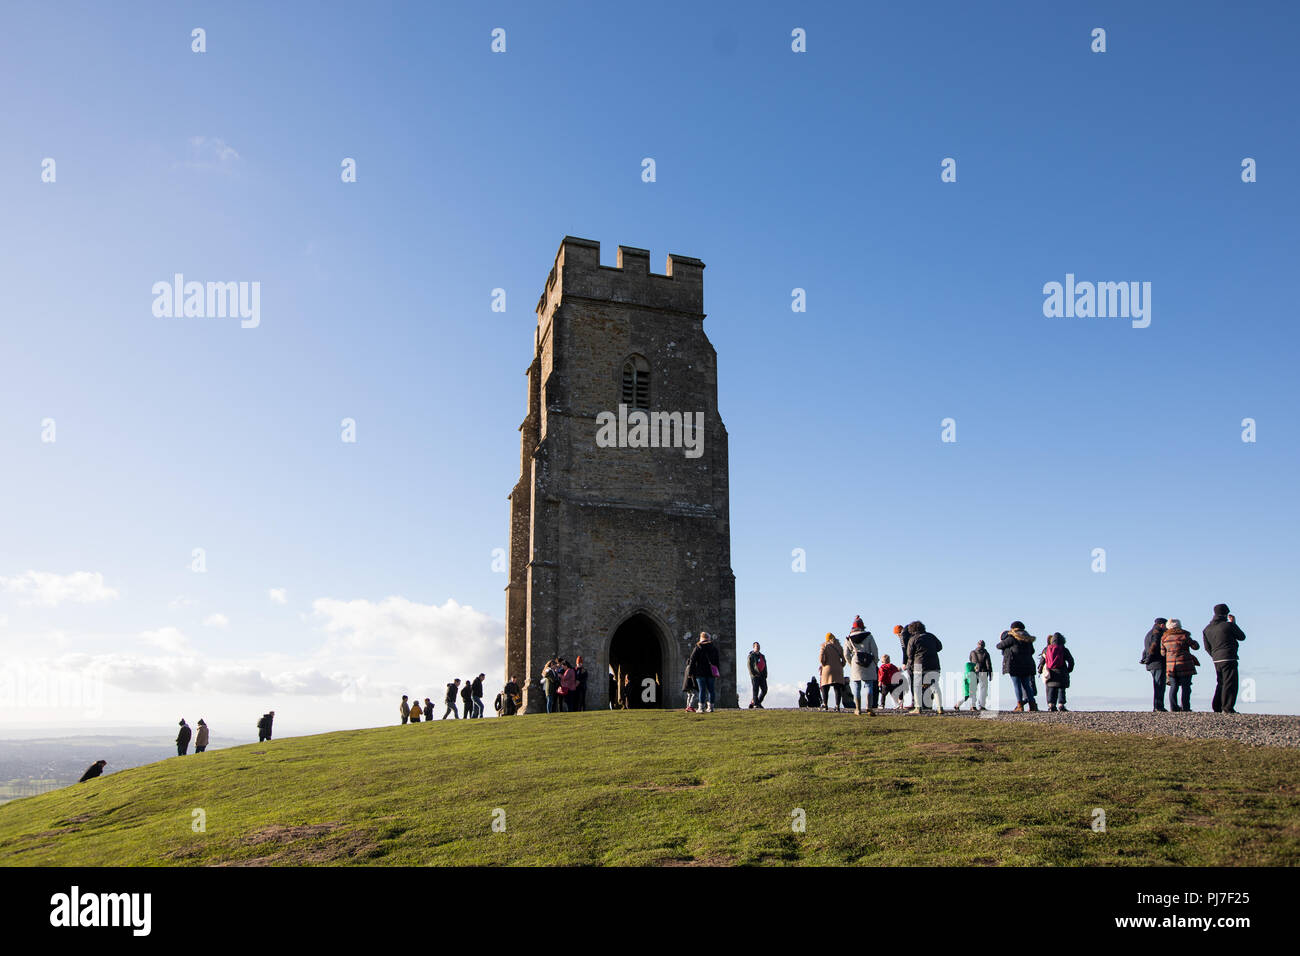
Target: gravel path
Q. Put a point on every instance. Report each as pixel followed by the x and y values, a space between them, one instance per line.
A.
pixel 1265 730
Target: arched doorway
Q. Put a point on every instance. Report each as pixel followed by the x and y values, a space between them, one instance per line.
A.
pixel 636 653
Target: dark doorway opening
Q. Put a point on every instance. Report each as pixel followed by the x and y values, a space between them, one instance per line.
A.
pixel 636 660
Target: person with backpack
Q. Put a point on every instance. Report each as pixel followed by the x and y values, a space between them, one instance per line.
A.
pixel 450 700
pixel 415 711
pixel 890 680
pixel 703 665
pixel 1153 659
pixel 1221 637
pixel 476 695
pixel 1180 664
pixel 93 771
pixel 981 676
pixel 467 699
pixel 513 697
pixel 183 739
pixel 264 726
pixel 757 677
pixel 831 659
pixel 201 738
pixel 923 651
pixel 863 656
pixel 1017 647
pixel 1055 664
pixel 580 694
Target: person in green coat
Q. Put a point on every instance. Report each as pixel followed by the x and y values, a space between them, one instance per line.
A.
pixel 968 680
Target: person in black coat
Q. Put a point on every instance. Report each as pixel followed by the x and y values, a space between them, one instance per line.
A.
pixel 981 676
pixel 264 726
pixel 467 699
pixel 183 739
pixel 703 666
pixel 580 695
pixel 923 654
pixel 93 771
pixel 1017 647
pixel 1153 658
pixel 1222 635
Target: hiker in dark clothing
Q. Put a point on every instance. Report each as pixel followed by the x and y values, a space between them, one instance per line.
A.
pixel 580 694
pixel 93 771
pixel 428 710
pixel 1056 663
pixel 1180 664
pixel 264 726
pixel 703 666
pixel 467 699
pixel 923 651
pixel 757 677
pixel 450 700
pixel 1153 658
pixel 1017 647
pixel 981 676
pixel 476 695
pixel 1221 636
pixel 183 739
pixel 514 696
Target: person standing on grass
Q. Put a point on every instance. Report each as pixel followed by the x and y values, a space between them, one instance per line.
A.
pixel 183 739
pixel 513 697
pixel 691 690
pixel 476 695
pixel 450 700
pixel 568 686
pixel 890 679
pixel 1221 636
pixel 580 695
pixel 201 738
pixel 93 771
pixel 983 662
pixel 923 651
pixel 967 686
pixel 1056 663
pixel 416 711
pixel 703 666
pixel 550 685
pixel 863 657
pixel 404 710
pixel 1153 658
pixel 904 666
pixel 467 699
pixel 831 673
pixel 428 711
pixel 1017 647
pixel 1180 664
pixel 757 677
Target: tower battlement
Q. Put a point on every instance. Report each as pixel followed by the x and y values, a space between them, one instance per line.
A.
pixel 578 272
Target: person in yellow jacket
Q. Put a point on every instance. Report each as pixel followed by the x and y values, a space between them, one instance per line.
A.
pixel 415 711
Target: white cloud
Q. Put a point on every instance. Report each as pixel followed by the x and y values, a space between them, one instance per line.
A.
pixel 278 596
pixel 210 152
pixel 451 639
pixel 216 620
pixel 179 601
pixel 45 589
pixel 167 639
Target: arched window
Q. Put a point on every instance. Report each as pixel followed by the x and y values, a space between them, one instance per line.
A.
pixel 636 382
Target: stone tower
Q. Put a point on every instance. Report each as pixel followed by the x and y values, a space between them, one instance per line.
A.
pixel 620 540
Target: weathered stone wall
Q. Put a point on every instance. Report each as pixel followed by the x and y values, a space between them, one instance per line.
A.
pixel 598 534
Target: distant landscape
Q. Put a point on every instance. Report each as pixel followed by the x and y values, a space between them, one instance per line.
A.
pixel 38 764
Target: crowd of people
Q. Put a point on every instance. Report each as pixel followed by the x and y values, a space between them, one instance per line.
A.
pixel 469 692
pixel 872 679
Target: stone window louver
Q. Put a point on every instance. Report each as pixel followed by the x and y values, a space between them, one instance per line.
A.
pixel 636 383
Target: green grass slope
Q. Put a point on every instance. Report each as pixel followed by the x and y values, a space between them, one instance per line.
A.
pixel 674 788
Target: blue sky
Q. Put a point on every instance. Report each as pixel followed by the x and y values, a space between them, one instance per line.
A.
pixel 780 170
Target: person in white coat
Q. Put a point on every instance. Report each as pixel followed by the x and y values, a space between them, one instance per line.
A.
pixel 863 657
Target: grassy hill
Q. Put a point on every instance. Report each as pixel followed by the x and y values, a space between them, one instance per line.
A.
pixel 672 788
